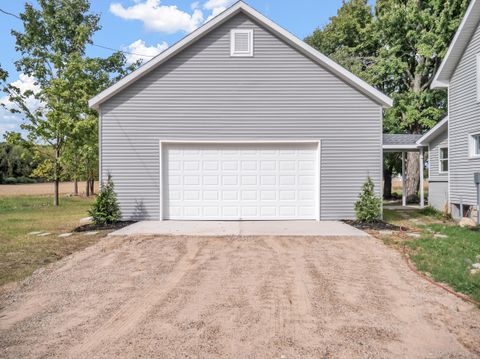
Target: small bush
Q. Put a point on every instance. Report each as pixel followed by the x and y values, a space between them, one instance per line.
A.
pixel 25 180
pixel 10 180
pixel 368 208
pixel 106 210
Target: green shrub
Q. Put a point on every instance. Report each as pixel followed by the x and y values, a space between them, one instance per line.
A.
pixel 106 210
pixel 25 180
pixel 10 180
pixel 368 208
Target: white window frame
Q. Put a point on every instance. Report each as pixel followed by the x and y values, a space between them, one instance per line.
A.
pixel 248 53
pixel 472 145
pixel 440 160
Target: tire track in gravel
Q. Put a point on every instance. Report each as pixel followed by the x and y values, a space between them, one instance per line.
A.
pixel 131 314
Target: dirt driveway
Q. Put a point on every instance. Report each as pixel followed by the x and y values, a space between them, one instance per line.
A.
pixel 235 298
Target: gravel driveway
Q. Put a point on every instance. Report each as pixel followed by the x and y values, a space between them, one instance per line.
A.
pixel 235 298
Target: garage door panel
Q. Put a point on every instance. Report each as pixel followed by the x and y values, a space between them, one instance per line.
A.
pixel 234 181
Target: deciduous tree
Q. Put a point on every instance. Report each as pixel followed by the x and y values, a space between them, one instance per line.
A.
pixel 53 52
pixel 397 46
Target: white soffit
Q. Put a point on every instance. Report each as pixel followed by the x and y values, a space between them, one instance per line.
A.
pixel 283 34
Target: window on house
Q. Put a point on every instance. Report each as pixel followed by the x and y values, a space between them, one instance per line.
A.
pixel 444 160
pixel 475 145
pixel 241 43
pixel 478 77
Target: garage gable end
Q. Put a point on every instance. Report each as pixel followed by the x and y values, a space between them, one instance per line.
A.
pixel 236 9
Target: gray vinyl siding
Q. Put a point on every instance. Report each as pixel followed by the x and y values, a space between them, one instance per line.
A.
pixel 440 141
pixel 464 113
pixel 438 195
pixel 204 94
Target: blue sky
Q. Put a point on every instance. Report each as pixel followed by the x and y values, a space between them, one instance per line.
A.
pixel 146 27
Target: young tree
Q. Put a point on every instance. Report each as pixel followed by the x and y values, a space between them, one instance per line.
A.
pixel 368 208
pixel 53 44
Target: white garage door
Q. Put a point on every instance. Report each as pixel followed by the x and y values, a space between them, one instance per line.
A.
pixel 240 181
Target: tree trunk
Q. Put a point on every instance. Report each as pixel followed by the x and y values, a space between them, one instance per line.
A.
pixel 87 188
pixel 413 177
pixel 387 185
pixel 56 177
pixel 92 186
pixel 75 186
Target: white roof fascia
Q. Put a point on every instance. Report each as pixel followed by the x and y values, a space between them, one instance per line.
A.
pixel 430 135
pixel 301 46
pixel 400 147
pixel 457 46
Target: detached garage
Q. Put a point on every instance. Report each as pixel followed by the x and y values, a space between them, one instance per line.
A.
pixel 240 120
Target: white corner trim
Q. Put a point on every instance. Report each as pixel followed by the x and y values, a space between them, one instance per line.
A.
pixel 301 46
pixel 233 51
pixel 160 183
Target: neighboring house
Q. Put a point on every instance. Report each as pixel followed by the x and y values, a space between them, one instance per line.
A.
pixel 460 74
pixel 240 120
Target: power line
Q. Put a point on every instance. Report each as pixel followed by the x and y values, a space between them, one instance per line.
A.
pixel 125 52
pixel 9 13
pixel 101 46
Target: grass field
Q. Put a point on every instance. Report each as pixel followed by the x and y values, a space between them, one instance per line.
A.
pixel 20 253
pixel 40 189
pixel 447 260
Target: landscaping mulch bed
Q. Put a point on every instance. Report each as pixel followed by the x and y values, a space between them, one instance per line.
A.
pixel 376 226
pixel 99 227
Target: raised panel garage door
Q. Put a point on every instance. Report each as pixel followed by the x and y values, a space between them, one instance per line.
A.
pixel 269 181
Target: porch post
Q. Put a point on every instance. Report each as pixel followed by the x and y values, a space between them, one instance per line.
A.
pixel 422 180
pixel 404 181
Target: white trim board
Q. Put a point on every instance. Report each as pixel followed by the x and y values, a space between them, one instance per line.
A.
pixel 283 34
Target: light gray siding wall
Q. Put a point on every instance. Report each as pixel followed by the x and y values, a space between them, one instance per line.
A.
pixel 434 157
pixel 464 113
pixel 204 94
pixel 438 195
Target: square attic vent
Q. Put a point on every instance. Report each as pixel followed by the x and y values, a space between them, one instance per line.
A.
pixel 241 43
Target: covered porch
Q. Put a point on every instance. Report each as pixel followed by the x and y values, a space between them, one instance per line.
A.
pixel 404 143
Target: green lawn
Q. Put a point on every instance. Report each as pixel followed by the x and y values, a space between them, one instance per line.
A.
pixel 20 253
pixel 447 260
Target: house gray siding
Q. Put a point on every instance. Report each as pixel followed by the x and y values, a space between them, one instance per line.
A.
pixel 204 94
pixel 438 195
pixel 437 182
pixel 464 113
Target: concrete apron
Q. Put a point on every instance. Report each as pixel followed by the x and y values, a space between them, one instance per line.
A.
pixel 241 228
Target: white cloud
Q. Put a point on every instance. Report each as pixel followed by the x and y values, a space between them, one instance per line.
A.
pixel 217 6
pixel 157 17
pixel 195 5
pixel 139 51
pixel 11 121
